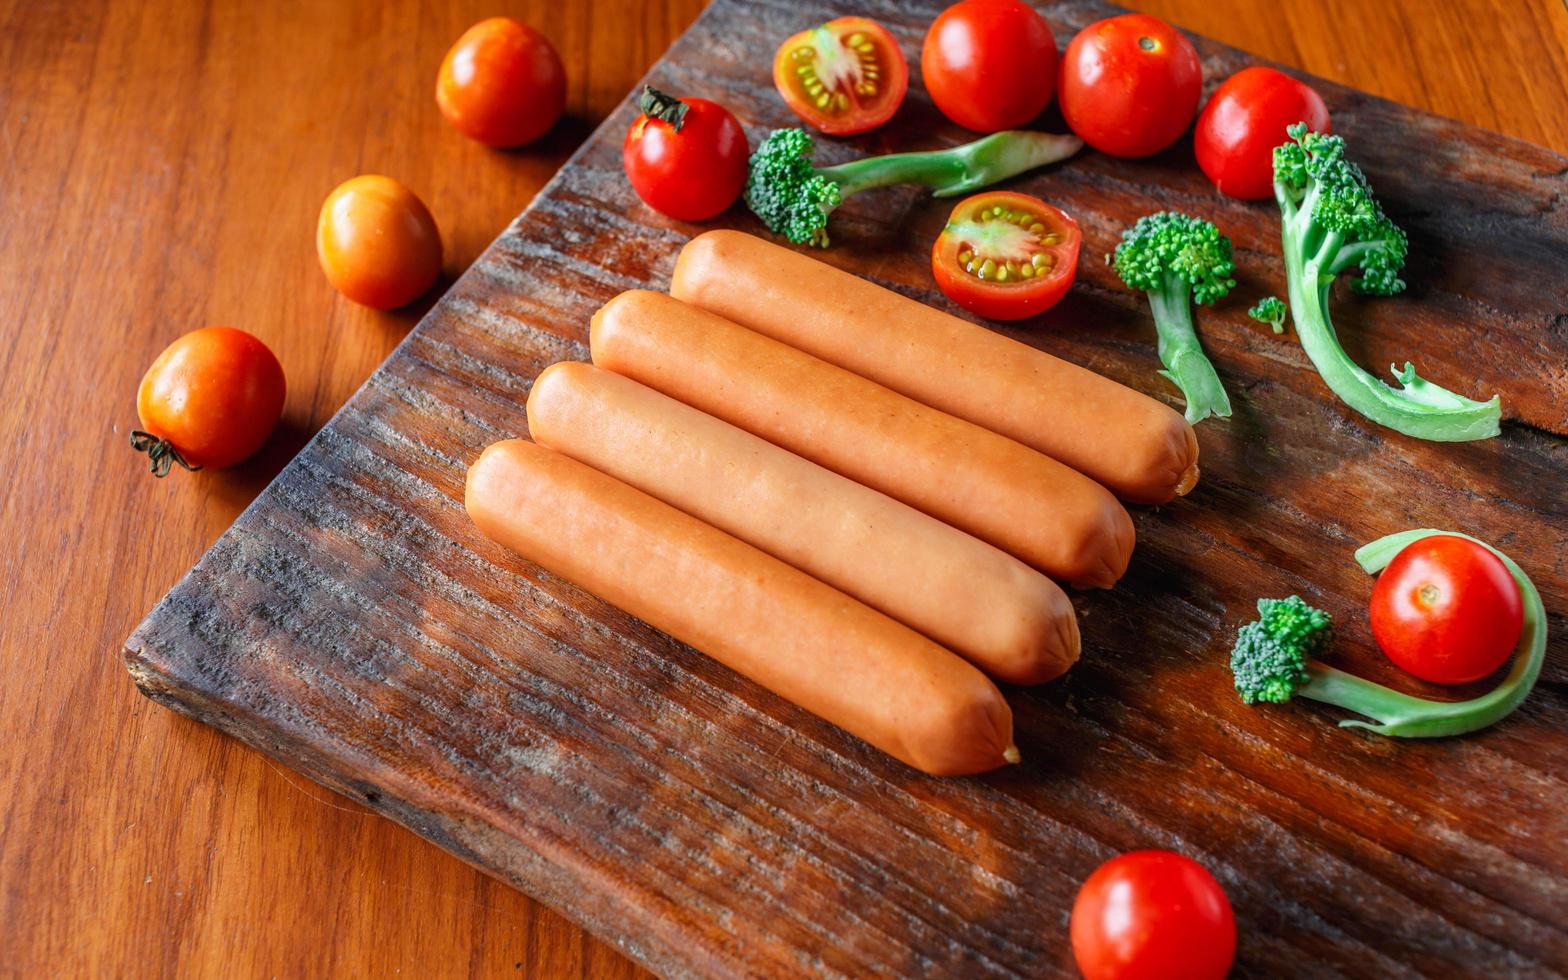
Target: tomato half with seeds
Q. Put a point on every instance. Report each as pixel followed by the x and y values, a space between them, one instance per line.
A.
pixel 1006 255
pixel 847 76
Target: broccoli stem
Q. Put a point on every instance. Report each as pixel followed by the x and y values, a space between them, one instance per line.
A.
pixel 1418 408
pixel 959 169
pixel 1411 717
pixel 1182 354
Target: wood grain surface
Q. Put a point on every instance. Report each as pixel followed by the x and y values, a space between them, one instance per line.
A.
pixel 162 165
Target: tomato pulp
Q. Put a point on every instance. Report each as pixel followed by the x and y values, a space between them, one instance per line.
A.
pixel 1244 120
pixel 845 77
pixel 1130 85
pixel 989 64
pixel 1447 610
pixel 1006 255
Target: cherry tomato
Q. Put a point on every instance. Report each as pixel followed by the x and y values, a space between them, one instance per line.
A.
pixel 1244 120
pixel 377 242
pixel 1151 915
pixel 845 77
pixel 685 157
pixel 210 399
pixel 1447 610
pixel 989 64
pixel 502 83
pixel 1005 255
pixel 1130 85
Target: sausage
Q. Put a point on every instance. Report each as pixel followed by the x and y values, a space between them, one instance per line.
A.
pixel 988 607
pixel 797 637
pixel 1029 505
pixel 1142 449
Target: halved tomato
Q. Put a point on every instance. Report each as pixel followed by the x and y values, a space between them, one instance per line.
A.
pixel 1006 256
pixel 845 77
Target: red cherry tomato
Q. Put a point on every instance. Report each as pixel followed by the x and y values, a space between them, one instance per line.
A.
pixel 989 64
pixel 1006 255
pixel 377 242
pixel 502 83
pixel 210 399
pixel 1447 610
pixel 1151 915
pixel 1130 85
pixel 845 77
pixel 685 157
pixel 1244 120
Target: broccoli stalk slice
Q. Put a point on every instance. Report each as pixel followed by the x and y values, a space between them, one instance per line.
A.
pixel 1185 363
pixel 793 197
pixel 1392 712
pixel 1330 223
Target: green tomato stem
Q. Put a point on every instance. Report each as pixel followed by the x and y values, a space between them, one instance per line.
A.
pixel 959 169
pixel 1412 717
pixel 1185 363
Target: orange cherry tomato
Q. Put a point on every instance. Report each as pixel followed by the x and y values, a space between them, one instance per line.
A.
pixel 377 242
pixel 502 83
pixel 1006 255
pixel 845 77
pixel 210 399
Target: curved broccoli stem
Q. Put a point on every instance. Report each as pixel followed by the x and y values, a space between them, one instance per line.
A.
pixel 1330 223
pixel 1273 662
pixel 793 197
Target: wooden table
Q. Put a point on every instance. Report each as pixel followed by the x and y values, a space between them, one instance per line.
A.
pixel 162 167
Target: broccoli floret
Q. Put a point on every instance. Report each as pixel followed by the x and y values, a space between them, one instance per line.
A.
pixel 1331 223
pixel 794 197
pixel 1276 658
pixel 1271 653
pixel 1270 310
pixel 1178 260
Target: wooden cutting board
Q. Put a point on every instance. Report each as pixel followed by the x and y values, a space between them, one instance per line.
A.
pixel 353 625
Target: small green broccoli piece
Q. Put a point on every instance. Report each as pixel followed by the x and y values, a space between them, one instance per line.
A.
pixel 1178 260
pixel 1330 222
pixel 793 196
pixel 1276 658
pixel 1270 658
pixel 1270 310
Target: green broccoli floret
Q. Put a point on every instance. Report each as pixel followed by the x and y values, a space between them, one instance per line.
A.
pixel 1276 658
pixel 1331 223
pixel 1178 260
pixel 1271 653
pixel 1270 310
pixel 794 197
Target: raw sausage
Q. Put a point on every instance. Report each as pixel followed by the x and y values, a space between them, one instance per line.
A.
pixel 1029 505
pixel 998 613
pixel 1143 450
pixel 803 640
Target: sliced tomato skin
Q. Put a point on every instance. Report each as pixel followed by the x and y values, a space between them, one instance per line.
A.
pixel 891 88
pixel 996 301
